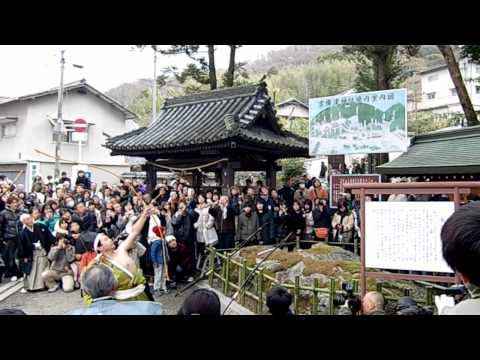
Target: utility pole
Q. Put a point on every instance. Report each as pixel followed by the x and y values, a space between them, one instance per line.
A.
pixel 59 126
pixel 154 95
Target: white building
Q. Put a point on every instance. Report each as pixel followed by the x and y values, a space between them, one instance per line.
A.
pixel 26 124
pixel 292 108
pixel 438 91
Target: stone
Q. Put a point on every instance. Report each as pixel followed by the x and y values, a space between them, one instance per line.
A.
pixel 270 265
pixel 294 271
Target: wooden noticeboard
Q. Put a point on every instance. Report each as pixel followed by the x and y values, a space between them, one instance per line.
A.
pixel 456 189
pixel 338 182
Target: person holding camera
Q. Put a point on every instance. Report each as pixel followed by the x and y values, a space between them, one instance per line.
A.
pixel 407 306
pixel 373 303
pixel 461 250
pixel 343 223
pixel 60 272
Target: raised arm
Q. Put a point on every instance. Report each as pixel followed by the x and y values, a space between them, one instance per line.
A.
pixel 129 242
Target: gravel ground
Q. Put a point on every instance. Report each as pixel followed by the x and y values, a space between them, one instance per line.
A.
pixel 58 303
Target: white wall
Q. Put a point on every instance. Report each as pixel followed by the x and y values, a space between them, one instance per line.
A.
pixel 440 83
pixel 11 149
pixel 35 132
pixel 298 111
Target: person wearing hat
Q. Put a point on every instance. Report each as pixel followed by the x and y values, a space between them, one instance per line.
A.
pixel 181 264
pixel 131 282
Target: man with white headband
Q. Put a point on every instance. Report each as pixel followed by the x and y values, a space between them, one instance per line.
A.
pixel 131 282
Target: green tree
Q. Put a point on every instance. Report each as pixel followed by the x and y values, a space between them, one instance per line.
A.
pixel 291 168
pixel 472 52
pixel 142 105
pixel 380 67
pixel 424 122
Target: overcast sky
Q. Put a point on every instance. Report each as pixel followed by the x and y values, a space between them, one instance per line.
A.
pixel 27 69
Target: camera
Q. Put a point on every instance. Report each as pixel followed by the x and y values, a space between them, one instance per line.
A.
pixel 348 297
pixel 459 293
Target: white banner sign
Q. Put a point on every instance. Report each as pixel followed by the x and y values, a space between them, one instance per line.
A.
pixel 79 136
pixel 406 235
pixel 360 123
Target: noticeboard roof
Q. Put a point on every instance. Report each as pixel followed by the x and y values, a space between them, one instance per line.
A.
pixel 439 153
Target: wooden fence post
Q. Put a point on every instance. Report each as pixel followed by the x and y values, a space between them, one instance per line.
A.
pixel 212 267
pixel 260 291
pixel 227 276
pixel 223 273
pixel 355 285
pixel 297 241
pixel 242 277
pixel 296 295
pixel 331 307
pixel 316 285
pixel 429 299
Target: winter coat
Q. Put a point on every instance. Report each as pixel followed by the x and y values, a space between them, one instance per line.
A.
pixel 85 242
pixel 267 234
pixel 247 225
pixel 61 259
pixel 224 226
pixel 9 223
pixel 156 251
pixel 309 222
pixel 87 222
pixel 317 193
pixel 28 239
pixel 301 196
pixel 83 180
pixel 296 222
pixel 281 224
pixel 235 205
pixel 268 204
pixel 205 226
pixel 286 193
pixel 183 229
pixel 347 220
pixel 181 256
pixel 321 219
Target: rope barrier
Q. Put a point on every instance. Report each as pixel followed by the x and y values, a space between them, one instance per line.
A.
pixel 186 169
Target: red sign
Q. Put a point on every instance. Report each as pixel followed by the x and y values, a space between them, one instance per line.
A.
pixel 80 125
pixel 337 182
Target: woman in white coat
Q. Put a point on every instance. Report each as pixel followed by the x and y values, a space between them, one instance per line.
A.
pixel 205 226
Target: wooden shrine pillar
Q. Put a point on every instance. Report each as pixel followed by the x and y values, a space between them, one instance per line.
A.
pixel 151 178
pixel 271 175
pixel 228 177
pixel 196 180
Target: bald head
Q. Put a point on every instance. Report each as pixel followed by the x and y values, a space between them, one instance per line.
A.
pixel 372 301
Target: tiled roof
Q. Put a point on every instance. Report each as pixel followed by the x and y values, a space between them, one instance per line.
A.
pixel 208 118
pixel 74 86
pixel 292 101
pixel 450 152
